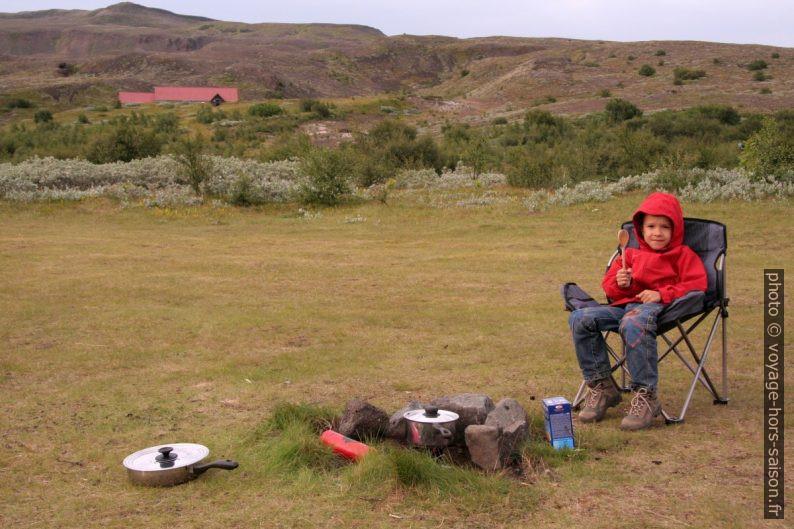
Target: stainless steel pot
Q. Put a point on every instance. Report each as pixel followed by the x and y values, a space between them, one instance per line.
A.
pixel 172 464
pixel 430 427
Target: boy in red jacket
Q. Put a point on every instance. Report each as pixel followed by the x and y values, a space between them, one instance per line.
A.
pixel 660 271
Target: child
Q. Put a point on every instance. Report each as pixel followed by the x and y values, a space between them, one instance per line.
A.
pixel 660 271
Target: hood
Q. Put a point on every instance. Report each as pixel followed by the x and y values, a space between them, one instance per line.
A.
pixel 661 204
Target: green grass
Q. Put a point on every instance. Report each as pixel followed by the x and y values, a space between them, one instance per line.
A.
pixel 121 328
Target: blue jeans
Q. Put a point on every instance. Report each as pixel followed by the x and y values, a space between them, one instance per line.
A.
pixel 636 323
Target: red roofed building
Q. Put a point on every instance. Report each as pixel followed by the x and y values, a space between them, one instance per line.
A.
pixel 211 94
pixel 126 98
pixel 194 93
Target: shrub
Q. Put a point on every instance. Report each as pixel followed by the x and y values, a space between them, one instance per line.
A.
pixel 82 118
pixel 686 74
pixel 769 151
pixel 765 90
pixel 322 110
pixel 604 93
pixel 265 110
pixel 42 116
pixel 757 65
pixel 19 103
pixel 761 76
pixel 775 55
pixel 726 114
pixel 124 143
pixel 621 110
pixel 501 120
pixel 464 73
pixel 195 167
pixel 647 70
pixel 206 115
pixel 660 53
pixel 327 175
pixel 544 100
pixel 167 123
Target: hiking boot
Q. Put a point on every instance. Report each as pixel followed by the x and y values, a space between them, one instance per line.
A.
pixel 644 407
pixel 601 394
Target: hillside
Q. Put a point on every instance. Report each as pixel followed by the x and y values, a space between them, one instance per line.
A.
pixel 129 47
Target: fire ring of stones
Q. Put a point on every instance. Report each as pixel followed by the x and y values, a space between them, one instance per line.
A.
pixel 486 434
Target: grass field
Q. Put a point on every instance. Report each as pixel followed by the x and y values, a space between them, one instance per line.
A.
pixel 122 328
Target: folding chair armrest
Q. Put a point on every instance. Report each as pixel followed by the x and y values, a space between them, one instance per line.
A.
pixel 576 298
pixel 690 304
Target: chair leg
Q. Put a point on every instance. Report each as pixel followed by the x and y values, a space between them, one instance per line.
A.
pixel 699 374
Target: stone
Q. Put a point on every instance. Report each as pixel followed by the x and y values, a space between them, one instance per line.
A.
pixel 510 418
pixel 471 407
pixel 397 422
pixel 482 442
pixel 361 420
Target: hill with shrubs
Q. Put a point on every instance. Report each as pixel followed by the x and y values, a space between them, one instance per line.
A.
pixel 331 111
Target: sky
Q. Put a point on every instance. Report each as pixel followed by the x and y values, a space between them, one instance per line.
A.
pixel 768 22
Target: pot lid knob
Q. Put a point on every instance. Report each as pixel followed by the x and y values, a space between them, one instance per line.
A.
pixel 431 411
pixel 166 457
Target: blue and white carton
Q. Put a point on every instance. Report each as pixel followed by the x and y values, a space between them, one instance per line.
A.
pixel 559 426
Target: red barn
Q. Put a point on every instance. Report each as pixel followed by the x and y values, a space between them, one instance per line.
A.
pixel 194 93
pixel 135 97
pixel 209 94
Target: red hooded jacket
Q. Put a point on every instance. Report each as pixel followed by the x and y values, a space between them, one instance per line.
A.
pixel 672 271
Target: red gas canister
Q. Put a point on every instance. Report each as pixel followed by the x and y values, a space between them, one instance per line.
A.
pixel 344 446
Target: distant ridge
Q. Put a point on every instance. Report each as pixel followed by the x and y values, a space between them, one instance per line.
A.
pixel 130 47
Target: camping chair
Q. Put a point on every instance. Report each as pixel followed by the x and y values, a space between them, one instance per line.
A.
pixel 708 239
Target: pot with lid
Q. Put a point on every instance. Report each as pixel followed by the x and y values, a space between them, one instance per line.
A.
pixel 430 427
pixel 171 464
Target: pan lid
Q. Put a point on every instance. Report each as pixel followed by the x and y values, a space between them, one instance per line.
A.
pixel 166 457
pixel 431 415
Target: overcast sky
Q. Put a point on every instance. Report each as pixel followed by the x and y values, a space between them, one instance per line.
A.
pixel 738 21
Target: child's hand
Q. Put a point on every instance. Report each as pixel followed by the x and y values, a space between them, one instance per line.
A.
pixel 650 296
pixel 623 278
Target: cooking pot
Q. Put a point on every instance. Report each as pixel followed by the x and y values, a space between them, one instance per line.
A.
pixel 172 464
pixel 430 427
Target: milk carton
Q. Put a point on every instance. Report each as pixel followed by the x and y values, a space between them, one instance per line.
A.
pixel 559 426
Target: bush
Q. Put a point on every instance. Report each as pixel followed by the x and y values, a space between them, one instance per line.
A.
pixel 725 114
pixel 19 103
pixel 195 167
pixel 621 110
pixel 167 123
pixel 42 116
pixel 265 110
pixel 544 100
pixel 124 143
pixel 757 65
pixel 660 53
pixel 322 110
pixel 647 70
pixel 83 119
pixel 769 151
pixel 761 76
pixel 686 74
pixel 206 115
pixel 327 175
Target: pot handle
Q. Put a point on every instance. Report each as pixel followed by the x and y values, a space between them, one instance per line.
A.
pixel 445 432
pixel 225 464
